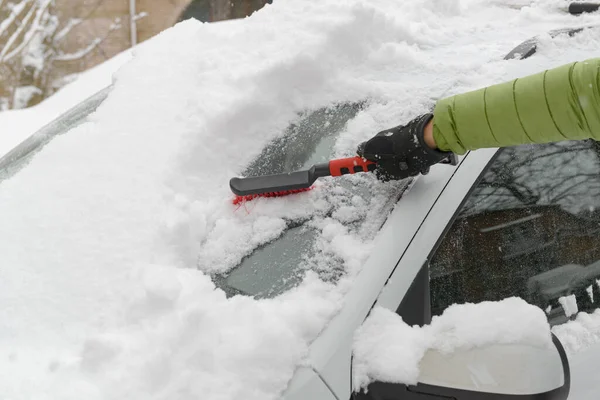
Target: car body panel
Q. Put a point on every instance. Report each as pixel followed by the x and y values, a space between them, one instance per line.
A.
pixel 433 226
pixel 509 369
pixel 584 382
pixel 306 384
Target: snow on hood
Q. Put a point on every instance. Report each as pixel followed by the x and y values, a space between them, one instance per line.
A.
pixel 103 233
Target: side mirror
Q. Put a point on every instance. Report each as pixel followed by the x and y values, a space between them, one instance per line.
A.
pixel 493 372
pixel 498 372
pixel 493 350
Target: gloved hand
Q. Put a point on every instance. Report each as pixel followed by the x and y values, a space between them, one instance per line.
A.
pixel 401 152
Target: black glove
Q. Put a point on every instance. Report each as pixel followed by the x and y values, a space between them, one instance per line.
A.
pixel 401 152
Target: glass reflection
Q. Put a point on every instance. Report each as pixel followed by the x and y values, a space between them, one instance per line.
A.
pixel 531 228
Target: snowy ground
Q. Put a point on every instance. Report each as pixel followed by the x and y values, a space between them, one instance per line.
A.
pixel 107 235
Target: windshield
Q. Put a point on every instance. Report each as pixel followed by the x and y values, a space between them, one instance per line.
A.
pixel 282 263
pixel 12 162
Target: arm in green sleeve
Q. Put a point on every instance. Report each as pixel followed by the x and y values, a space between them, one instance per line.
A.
pixel 558 104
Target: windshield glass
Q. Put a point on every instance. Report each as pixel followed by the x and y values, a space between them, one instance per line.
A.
pixel 12 162
pixel 281 264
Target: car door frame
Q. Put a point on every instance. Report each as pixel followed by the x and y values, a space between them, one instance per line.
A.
pixel 433 230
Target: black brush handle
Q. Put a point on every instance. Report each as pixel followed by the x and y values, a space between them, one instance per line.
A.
pixel 272 183
pixel 300 179
pixel 580 8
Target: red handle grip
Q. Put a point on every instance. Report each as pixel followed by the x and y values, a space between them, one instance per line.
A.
pixel 350 165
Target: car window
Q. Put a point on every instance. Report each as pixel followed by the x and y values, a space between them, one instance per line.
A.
pixel 529 228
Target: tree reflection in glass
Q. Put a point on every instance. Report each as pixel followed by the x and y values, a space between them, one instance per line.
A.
pixel 530 228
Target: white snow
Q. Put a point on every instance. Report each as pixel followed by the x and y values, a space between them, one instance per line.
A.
pixel 386 349
pixel 581 333
pixel 108 234
pixel 581 339
pixel 17 125
pixel 23 94
pixel 569 304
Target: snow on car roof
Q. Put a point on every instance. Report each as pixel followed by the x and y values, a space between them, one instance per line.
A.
pixel 102 233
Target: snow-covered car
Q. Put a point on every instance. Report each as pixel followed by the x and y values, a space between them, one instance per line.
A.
pixel 480 231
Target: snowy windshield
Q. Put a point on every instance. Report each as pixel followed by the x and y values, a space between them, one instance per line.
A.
pixel 279 264
pixel 282 263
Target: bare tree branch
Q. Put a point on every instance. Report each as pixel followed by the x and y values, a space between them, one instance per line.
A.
pixel 35 28
pixel 94 44
pixel 73 22
pixel 568 191
pixel 14 14
pixel 33 35
pixel 566 174
pixel 140 15
pixel 13 38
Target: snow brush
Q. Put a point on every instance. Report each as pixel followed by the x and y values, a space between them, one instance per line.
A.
pixel 295 182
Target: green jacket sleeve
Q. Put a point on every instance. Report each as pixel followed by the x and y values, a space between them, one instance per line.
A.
pixel 558 104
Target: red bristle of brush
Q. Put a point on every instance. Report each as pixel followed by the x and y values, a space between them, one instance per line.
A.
pixel 242 199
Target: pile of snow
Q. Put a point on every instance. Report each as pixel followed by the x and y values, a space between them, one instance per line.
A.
pixel 580 338
pixel 569 304
pixel 386 349
pixel 581 333
pixel 108 234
